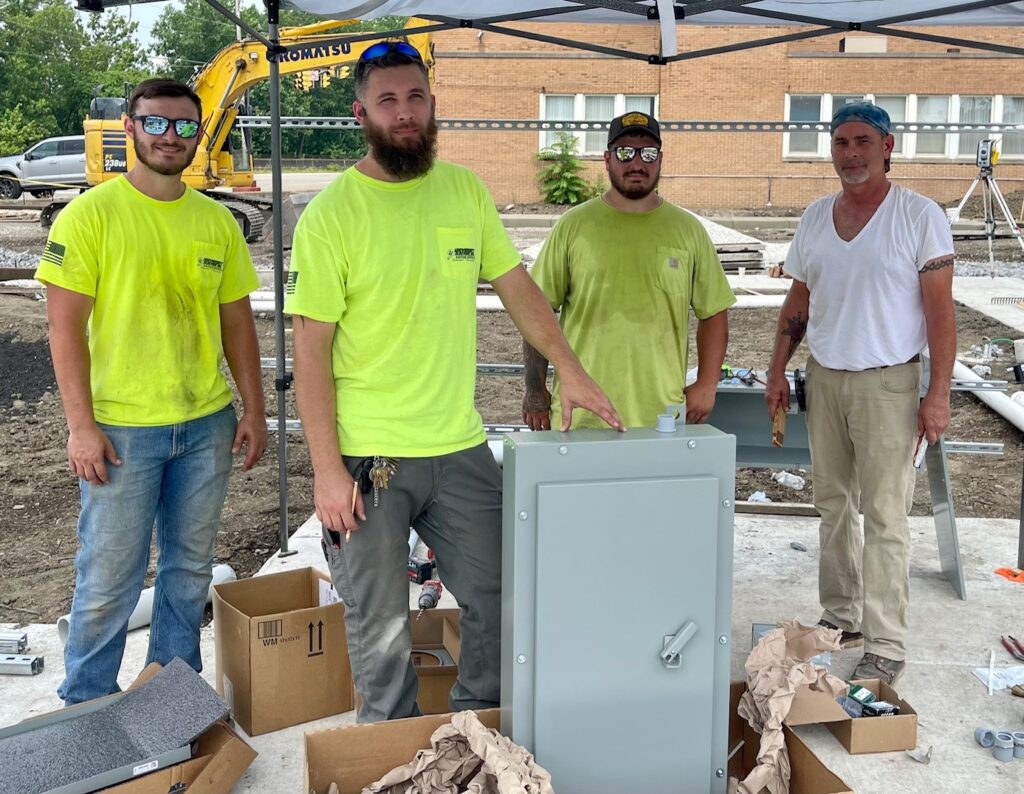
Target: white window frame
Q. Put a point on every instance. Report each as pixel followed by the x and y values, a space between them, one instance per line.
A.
pixel 909 140
pixel 579 104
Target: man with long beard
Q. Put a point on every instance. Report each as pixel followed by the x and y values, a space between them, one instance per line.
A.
pixel 626 268
pixel 147 294
pixel 382 285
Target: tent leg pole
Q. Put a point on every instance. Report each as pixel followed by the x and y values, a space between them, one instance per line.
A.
pixel 283 378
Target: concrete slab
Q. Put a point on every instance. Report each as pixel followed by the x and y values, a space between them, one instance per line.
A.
pixel 772 582
pixel 977 293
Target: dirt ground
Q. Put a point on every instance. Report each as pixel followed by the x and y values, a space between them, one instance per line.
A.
pixel 39 497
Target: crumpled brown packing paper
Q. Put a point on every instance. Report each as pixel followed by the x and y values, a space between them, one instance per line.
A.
pixel 776 668
pixel 465 756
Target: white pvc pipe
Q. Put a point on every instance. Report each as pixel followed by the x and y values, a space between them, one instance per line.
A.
pixel 143 611
pixel 997 401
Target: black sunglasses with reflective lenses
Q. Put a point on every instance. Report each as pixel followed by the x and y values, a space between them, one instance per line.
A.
pixel 157 125
pixel 625 154
pixel 382 48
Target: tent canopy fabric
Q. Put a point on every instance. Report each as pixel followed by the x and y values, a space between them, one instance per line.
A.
pixel 707 12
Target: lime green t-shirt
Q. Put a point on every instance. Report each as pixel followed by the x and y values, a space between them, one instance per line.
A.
pixel 396 266
pixel 625 283
pixel 158 272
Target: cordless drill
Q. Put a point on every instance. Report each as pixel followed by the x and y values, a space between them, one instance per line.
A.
pixel 430 594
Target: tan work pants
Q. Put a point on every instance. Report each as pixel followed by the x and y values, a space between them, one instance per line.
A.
pixel 863 428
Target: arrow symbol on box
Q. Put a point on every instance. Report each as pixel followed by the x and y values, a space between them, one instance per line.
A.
pixel 320 638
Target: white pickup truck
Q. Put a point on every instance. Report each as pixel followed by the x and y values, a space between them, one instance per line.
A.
pixel 52 164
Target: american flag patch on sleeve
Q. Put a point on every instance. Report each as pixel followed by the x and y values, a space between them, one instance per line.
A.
pixel 54 253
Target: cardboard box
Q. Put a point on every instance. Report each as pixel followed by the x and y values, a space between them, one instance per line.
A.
pixel 863 735
pixel 355 756
pixel 437 629
pixel 809 775
pixel 220 759
pixel 281 655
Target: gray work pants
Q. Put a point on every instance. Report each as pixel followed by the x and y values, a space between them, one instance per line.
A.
pixel 454 502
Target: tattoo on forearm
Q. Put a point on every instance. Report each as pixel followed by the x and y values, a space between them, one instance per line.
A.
pixel 536 368
pixel 938 264
pixel 796 327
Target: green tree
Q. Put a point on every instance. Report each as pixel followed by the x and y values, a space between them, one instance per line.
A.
pixel 18 130
pixel 560 180
pixel 53 58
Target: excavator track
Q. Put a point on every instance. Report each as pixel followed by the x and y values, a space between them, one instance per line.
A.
pixel 248 216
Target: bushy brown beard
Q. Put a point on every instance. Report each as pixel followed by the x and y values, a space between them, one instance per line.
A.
pixel 406 159
pixel 632 193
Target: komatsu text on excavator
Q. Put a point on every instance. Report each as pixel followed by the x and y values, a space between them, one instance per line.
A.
pixel 221 162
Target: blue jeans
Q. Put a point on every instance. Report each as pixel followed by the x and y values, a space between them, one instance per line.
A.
pixel 173 476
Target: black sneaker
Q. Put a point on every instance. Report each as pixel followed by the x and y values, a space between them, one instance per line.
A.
pixel 849 639
pixel 875 666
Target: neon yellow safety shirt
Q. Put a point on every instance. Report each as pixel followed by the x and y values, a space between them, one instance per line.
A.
pixel 625 283
pixel 396 266
pixel 158 272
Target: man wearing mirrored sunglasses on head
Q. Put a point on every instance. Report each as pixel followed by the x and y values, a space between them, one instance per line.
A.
pixel 382 286
pixel 872 270
pixel 626 269
pixel 147 294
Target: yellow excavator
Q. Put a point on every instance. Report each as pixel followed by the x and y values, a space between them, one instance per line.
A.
pixel 221 162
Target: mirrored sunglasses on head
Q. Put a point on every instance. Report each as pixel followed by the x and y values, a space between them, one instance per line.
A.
pixel 157 125
pixel 625 154
pixel 382 48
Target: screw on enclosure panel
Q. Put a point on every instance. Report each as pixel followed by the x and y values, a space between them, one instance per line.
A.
pixel 722 640
pixel 691 444
pixel 521 658
pixel 523 515
pixel 563 450
pixel 726 503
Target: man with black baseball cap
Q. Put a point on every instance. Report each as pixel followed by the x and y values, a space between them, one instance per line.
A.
pixel 872 270
pixel 625 269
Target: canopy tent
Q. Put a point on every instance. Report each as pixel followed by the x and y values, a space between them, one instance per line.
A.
pixel 669 17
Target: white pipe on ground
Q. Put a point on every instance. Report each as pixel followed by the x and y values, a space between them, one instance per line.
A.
pixel 997 401
pixel 143 611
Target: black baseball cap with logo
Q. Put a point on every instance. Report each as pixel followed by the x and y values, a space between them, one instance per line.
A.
pixel 635 123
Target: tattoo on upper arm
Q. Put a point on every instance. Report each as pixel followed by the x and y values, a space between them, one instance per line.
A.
pixel 938 264
pixel 796 327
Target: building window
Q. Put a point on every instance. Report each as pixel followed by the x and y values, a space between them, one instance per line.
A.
pixel 896 107
pixel 921 109
pixel 973 110
pixel 1013 113
pixel 590 107
pixel 932 110
pixel 804 108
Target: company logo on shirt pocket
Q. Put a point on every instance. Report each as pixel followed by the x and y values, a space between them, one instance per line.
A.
pixel 459 252
pixel 209 262
pixel 673 270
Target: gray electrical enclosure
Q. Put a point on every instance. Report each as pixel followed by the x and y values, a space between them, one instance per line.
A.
pixel 616 606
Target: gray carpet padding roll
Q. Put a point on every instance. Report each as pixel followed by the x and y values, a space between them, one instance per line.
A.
pixel 167 712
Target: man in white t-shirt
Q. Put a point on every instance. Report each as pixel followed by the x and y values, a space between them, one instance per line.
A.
pixel 872 270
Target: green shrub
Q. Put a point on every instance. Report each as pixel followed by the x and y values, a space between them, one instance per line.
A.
pixel 560 180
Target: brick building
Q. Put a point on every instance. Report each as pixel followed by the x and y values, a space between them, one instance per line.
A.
pixel 486 75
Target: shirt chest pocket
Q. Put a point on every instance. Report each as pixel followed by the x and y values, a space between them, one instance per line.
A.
pixel 674 268
pixel 207 266
pixel 458 250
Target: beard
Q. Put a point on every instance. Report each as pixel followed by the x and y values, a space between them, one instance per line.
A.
pixel 629 190
pixel 155 161
pixel 402 158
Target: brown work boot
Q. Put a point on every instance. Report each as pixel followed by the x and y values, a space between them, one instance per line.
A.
pixel 875 666
pixel 849 639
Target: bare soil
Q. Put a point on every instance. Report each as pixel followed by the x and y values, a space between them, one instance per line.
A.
pixel 39 497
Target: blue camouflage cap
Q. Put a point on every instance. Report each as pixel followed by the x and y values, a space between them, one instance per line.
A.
pixel 861 111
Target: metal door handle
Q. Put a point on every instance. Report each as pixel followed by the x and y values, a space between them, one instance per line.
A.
pixel 672 645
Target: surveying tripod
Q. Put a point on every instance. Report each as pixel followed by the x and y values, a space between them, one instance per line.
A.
pixel 991 196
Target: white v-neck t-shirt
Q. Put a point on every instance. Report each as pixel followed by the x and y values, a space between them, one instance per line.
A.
pixel 866 308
